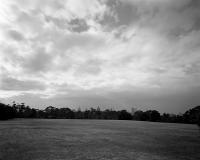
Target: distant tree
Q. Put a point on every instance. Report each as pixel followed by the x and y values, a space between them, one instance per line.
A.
pixel 140 116
pixel 40 114
pixel 198 121
pixel 124 115
pixel 165 117
pixel 22 111
pixel 67 112
pixel 109 114
pixel 98 113
pixel 78 114
pixel 50 112
pixel 153 115
pixel 192 115
pixel 33 113
pixel 6 112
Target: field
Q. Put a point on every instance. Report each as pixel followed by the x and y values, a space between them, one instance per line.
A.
pixel 40 139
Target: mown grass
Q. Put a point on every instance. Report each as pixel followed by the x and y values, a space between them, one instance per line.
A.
pixel 43 139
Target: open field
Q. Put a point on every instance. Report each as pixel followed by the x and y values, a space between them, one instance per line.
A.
pixel 40 139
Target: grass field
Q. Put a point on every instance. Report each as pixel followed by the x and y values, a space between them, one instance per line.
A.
pixel 36 139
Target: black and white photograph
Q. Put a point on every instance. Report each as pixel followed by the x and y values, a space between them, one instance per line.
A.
pixel 99 79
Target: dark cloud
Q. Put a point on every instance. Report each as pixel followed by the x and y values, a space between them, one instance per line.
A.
pixel 193 4
pixel 15 35
pixel 9 83
pixel 78 25
pixel 74 25
pixel 84 40
pixel 121 14
pixel 38 62
pixel 126 13
pixel 192 69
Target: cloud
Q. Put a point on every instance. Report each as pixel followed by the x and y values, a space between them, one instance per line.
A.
pixel 91 66
pixel 15 35
pixel 11 84
pixel 40 61
pixel 78 25
pixel 84 40
pixel 99 46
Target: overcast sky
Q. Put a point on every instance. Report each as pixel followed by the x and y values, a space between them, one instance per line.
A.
pixel 109 53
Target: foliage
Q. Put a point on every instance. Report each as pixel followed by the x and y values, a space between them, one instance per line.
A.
pixel 192 115
pixel 22 111
pixel 6 112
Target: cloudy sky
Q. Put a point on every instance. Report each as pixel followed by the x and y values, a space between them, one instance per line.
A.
pixel 109 53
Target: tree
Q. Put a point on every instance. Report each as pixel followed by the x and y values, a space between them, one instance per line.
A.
pixel 192 115
pixel 140 116
pixel 165 117
pixel 124 115
pixel 153 115
pixel 6 112
pixel 198 121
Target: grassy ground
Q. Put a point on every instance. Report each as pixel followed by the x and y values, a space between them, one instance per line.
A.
pixel 97 140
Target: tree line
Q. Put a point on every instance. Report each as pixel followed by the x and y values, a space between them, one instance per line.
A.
pixel 191 116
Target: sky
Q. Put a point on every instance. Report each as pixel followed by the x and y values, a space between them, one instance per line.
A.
pixel 110 53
